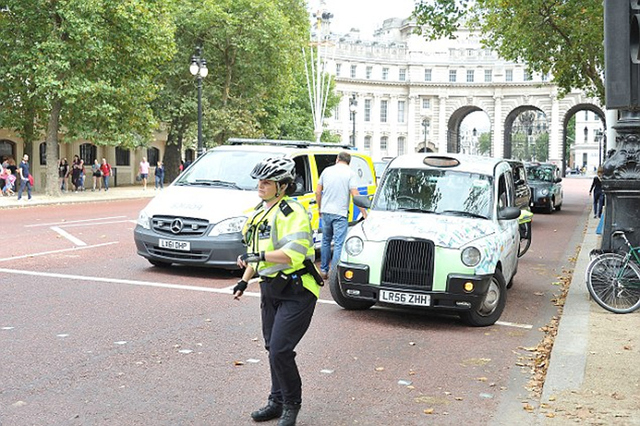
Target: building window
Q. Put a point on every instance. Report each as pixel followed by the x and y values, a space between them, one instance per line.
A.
pixel 338 66
pixel 383 143
pixel 367 142
pixel 470 76
pixel 402 76
pixel 123 157
pixel 367 110
pixel 383 111
pixel 385 73
pixel 452 76
pixel 544 77
pixel 427 74
pixel 369 71
pixel 402 146
pixel 401 105
pixel 88 153
pixel 488 76
pixel 586 116
pixel 508 75
pixel 527 76
pixel 153 155
pixel 336 112
pixel 43 154
pixel 426 103
pixel 353 71
pixel 586 134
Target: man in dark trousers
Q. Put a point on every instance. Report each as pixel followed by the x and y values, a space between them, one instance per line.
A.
pixel 24 177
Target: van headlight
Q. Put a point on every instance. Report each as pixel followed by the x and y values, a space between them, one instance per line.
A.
pixel 354 246
pixel 144 220
pixel 544 192
pixel 470 256
pixel 228 226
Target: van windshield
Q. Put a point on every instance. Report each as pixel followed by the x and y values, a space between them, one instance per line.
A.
pixel 225 169
pixel 436 191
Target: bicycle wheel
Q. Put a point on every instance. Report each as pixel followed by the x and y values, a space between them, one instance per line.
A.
pixel 525 238
pixel 614 283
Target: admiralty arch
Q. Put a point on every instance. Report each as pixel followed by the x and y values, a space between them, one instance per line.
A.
pixel 405 94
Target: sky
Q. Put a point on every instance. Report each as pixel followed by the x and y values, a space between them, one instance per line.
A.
pixel 367 15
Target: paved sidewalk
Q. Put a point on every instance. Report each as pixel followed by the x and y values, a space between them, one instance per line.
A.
pixel 39 198
pixel 594 370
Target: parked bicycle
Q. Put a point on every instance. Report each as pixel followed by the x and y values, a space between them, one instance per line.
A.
pixel 613 279
pixel 524 224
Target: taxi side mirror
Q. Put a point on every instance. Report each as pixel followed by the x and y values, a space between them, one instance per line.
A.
pixel 508 213
pixel 362 201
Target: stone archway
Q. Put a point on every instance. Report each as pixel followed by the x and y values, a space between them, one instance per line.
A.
pixel 567 116
pixel 7 149
pixel 453 126
pixel 510 123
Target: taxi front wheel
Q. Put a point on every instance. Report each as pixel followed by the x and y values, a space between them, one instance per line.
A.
pixel 488 311
pixel 341 299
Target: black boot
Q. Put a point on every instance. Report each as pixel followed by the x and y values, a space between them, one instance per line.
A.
pixel 271 411
pixel 289 415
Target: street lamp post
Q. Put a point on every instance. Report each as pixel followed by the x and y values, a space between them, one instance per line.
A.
pixel 598 138
pixel 198 68
pixel 353 106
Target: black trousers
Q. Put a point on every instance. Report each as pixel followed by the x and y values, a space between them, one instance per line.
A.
pixel 285 319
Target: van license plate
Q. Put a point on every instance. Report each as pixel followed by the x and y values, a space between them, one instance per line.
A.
pixel 175 245
pixel 402 298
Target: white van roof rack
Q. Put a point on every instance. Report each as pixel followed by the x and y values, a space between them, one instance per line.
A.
pixel 296 144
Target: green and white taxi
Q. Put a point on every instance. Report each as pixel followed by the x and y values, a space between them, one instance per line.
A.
pixel 441 234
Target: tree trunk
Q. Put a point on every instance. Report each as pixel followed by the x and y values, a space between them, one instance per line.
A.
pixel 173 151
pixel 52 188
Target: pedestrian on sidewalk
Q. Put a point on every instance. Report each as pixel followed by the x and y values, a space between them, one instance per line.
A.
pixel 105 168
pixel 77 170
pixel 24 177
pixel 280 250
pixel 63 173
pixel 9 179
pixel 159 175
pixel 144 172
pixel 598 195
pixel 96 172
pixel 333 196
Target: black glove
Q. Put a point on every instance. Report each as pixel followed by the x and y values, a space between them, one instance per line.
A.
pixel 241 286
pixel 252 257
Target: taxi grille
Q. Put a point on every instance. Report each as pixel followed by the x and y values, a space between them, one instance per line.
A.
pixel 200 256
pixel 408 263
pixel 182 226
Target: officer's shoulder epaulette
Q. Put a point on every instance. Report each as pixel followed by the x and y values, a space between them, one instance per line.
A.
pixel 285 208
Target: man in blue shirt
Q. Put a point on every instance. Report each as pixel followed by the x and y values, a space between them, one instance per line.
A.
pixel 24 177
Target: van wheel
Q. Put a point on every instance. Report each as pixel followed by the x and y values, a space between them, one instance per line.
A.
pixel 552 206
pixel 159 264
pixel 341 299
pixel 491 307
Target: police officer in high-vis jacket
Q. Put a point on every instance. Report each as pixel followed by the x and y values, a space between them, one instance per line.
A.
pixel 280 250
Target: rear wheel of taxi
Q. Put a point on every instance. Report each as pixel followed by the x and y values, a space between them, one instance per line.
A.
pixel 492 305
pixel 341 299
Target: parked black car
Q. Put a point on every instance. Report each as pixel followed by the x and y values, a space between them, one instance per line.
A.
pixel 546 189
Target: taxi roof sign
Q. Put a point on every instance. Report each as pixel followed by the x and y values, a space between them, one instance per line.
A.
pixel 441 161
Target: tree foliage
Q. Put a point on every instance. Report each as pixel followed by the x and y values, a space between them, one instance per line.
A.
pixel 560 38
pixel 82 70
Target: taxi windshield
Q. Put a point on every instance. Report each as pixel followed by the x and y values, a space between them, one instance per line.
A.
pixel 231 169
pixel 542 174
pixel 436 191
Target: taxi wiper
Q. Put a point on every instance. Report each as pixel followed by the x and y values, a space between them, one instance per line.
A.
pixel 415 210
pixel 463 213
pixel 216 182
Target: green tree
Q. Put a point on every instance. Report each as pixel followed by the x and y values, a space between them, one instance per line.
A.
pixel 254 56
pixel 82 70
pixel 484 143
pixel 560 38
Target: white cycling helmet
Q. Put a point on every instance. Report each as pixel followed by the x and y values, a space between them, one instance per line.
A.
pixel 276 169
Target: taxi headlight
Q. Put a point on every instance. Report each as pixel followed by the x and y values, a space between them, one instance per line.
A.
pixel 544 192
pixel 470 256
pixel 144 220
pixel 228 226
pixel 354 246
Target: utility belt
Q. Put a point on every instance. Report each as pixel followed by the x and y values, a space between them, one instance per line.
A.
pixel 281 281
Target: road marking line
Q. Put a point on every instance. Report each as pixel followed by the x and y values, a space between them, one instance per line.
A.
pixel 75 225
pixel 68 236
pixel 72 221
pixel 226 290
pixel 514 324
pixel 44 253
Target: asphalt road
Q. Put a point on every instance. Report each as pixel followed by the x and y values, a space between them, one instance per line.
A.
pixel 91 333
